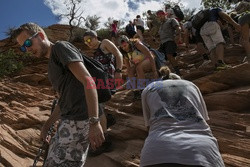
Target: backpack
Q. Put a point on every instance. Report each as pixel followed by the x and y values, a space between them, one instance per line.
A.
pixel 200 18
pixel 159 56
pixel 98 73
pixel 178 12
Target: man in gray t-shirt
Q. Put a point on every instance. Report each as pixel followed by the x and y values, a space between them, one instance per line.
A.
pixel 77 106
pixel 175 114
pixel 169 31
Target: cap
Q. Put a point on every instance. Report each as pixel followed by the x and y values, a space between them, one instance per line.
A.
pixel 160 12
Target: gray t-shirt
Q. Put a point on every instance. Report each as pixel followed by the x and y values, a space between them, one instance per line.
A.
pixel 176 112
pixel 167 30
pixel 72 97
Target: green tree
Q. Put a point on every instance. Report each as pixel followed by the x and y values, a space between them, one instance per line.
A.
pixel 173 3
pixel 188 13
pixel 92 22
pixel 223 4
pixel 10 62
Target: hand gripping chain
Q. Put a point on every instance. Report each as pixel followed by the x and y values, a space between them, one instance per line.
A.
pixel 44 144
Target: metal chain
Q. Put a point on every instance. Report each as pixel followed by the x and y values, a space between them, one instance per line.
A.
pixel 50 132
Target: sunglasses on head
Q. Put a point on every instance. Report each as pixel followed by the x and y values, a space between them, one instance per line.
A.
pixel 87 41
pixel 27 43
pixel 122 42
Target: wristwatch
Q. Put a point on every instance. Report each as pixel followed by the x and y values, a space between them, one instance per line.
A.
pixel 94 120
pixel 118 70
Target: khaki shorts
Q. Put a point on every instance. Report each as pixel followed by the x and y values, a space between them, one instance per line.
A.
pixel 211 35
pixel 69 146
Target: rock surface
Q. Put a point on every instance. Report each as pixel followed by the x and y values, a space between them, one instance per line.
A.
pixel 26 98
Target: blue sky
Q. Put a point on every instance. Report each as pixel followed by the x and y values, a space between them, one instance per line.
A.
pixel 14 13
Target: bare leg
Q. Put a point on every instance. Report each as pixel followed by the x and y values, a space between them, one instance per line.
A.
pixel 103 122
pixel 219 51
pixel 245 38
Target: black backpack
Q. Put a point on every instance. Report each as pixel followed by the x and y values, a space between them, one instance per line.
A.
pixel 178 12
pixel 97 71
pixel 200 18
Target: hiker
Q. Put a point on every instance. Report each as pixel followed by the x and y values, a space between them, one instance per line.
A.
pixel 169 31
pixel 243 8
pixel 78 106
pixel 175 115
pixel 191 35
pixel 114 31
pixel 169 11
pixel 213 38
pixel 130 29
pixel 111 58
pixel 139 23
pixel 227 32
pixel 153 24
pixel 138 60
pixel 174 12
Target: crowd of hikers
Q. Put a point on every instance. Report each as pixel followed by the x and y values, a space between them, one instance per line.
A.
pixel 174 110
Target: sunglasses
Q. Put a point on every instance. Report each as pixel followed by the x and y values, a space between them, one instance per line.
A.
pixel 27 43
pixel 87 41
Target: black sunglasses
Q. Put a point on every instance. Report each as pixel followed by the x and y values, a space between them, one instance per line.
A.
pixel 27 43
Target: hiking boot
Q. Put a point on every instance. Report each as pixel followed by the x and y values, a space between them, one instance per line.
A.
pixel 221 66
pixel 105 147
pixel 110 120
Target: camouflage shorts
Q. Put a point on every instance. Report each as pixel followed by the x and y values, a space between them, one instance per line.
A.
pixel 69 146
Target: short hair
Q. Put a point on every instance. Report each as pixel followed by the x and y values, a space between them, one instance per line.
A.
pixel 164 72
pixel 138 16
pixel 30 28
pixel 91 33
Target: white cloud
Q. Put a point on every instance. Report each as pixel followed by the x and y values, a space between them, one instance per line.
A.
pixel 117 9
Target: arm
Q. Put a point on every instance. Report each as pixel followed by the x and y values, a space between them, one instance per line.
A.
pixel 109 46
pixel 130 71
pixel 227 18
pixel 144 50
pixel 178 33
pixel 96 136
pixel 52 119
pixel 145 109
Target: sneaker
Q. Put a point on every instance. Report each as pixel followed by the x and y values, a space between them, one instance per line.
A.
pixel 205 63
pixel 221 66
pixel 105 147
